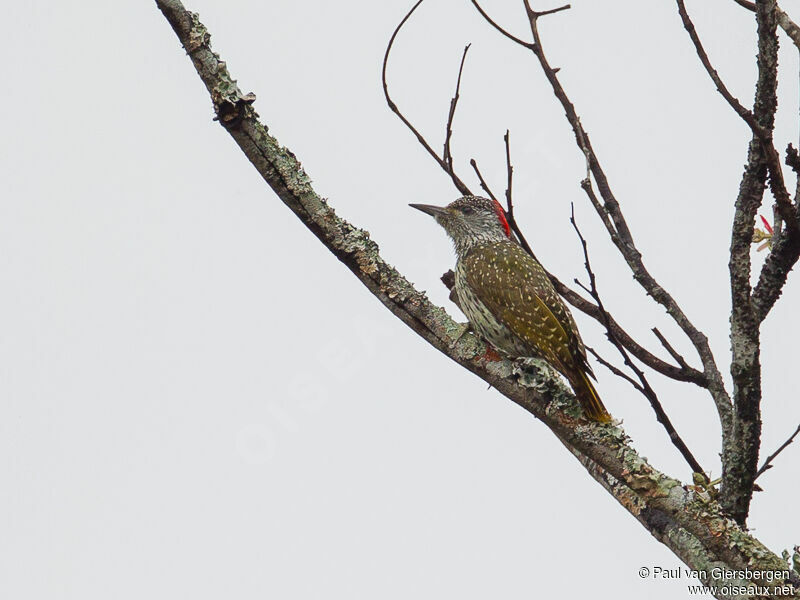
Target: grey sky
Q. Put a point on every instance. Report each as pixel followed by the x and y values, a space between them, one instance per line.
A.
pixel 199 401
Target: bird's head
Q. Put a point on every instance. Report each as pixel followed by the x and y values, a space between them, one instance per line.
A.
pixel 469 220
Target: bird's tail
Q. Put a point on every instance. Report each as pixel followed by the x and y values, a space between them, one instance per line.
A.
pixel 590 401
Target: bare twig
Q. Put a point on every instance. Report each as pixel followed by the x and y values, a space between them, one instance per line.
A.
pixel 668 347
pixel 494 24
pixel 643 386
pixel 687 374
pixel 510 171
pixel 615 370
pixel 762 132
pixel 535 14
pixel 746 115
pixel 393 107
pixel 484 186
pixel 768 463
pixel 611 215
pixel 447 154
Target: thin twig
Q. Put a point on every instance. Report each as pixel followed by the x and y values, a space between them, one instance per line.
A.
pixel 764 134
pixel 447 155
pixel 768 463
pixel 617 227
pixel 746 115
pixel 535 14
pixel 509 210
pixel 484 186
pixel 644 386
pixel 393 107
pixel 668 347
pixel 510 171
pixel 491 22
pixel 615 370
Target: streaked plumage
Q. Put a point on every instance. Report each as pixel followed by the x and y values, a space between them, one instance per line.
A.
pixel 507 296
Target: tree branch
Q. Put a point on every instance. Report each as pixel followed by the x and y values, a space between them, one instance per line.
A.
pixel 420 138
pixel 786 23
pixel 494 24
pixel 611 215
pixel 644 385
pixel 740 451
pixel 447 154
pixel 691 525
pixel 768 463
pixel 764 134
pixel 668 347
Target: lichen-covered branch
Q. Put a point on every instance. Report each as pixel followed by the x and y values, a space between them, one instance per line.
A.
pixel 785 22
pixel 682 517
pixel 740 455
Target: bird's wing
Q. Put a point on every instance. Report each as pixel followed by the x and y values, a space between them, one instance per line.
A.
pixel 516 289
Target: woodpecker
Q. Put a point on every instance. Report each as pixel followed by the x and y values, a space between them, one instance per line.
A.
pixel 509 299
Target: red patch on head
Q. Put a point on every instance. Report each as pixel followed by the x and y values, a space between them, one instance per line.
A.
pixel 501 214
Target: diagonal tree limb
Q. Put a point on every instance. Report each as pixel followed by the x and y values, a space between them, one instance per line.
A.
pixel 690 524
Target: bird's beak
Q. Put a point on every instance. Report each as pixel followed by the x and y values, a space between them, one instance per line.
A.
pixel 431 210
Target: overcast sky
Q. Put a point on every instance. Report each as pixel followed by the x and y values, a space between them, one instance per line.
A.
pixel 198 401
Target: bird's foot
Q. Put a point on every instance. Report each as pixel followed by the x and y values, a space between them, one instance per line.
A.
pixel 491 355
pixel 465 327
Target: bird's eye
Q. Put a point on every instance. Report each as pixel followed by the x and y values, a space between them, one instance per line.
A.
pixel 467 210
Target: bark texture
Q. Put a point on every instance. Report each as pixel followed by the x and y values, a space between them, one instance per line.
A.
pixel 741 448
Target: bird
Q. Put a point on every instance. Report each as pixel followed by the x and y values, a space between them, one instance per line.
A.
pixel 509 298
